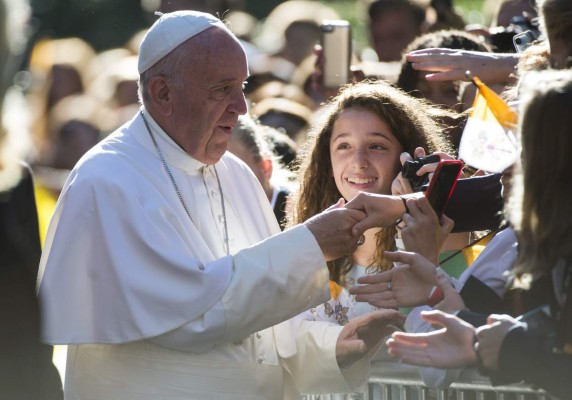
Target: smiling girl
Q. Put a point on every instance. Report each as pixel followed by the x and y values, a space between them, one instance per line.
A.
pixel 357 148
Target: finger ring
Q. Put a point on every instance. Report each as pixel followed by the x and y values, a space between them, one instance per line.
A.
pixel 361 240
pixel 389 285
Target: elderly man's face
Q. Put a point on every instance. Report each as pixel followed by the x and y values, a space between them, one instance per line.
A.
pixel 207 108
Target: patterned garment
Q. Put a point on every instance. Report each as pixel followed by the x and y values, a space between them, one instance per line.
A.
pixel 343 308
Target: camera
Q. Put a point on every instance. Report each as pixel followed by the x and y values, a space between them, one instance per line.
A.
pixel 523 40
pixel 411 167
pixel 502 38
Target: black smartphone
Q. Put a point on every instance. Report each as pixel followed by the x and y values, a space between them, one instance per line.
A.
pixel 336 41
pixel 443 183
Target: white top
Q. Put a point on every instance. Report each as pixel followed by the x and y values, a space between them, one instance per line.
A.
pixel 148 299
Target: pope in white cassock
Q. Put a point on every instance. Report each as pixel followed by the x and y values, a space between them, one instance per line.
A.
pixel 164 269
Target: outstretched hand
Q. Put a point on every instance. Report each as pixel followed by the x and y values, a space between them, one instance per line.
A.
pixel 452 300
pixel 333 229
pixel 406 285
pixel 365 334
pixel 449 347
pixel 423 231
pixel 381 210
pixel 491 336
pixel 451 65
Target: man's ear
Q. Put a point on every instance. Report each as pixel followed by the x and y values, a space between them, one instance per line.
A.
pixel 160 94
pixel 266 165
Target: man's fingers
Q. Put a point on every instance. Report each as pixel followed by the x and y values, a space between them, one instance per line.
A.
pixel 363 225
pixel 357 203
pixel 340 203
pixel 354 347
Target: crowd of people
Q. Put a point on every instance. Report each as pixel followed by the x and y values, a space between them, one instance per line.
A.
pixel 194 215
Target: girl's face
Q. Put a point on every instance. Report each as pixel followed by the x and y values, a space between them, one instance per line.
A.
pixel 364 153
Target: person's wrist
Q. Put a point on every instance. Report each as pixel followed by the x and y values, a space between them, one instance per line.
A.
pixel 403 207
pixel 404 200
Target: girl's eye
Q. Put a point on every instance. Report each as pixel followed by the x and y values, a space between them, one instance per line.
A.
pixel 378 147
pixel 343 146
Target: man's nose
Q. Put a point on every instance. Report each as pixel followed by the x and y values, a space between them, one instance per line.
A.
pixel 238 103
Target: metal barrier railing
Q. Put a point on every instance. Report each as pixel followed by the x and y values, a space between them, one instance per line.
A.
pixel 393 381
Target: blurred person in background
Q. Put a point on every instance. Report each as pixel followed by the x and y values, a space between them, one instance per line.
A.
pixel 441 93
pixel 289 117
pixel 58 69
pixel 248 143
pixel 26 369
pixel 537 347
pixel 445 16
pixel 449 94
pixel 393 24
pixel 290 32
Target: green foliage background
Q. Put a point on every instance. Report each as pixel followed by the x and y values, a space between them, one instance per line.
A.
pixel 473 11
pixel 110 23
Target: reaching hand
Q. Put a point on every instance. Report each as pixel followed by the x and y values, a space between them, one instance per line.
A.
pixel 449 347
pixel 332 229
pixel 381 210
pixel 452 300
pixel 422 231
pixel 365 334
pixel 451 65
pixel 400 184
pixel 490 338
pixel 407 285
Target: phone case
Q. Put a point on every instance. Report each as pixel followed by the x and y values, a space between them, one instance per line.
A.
pixel 443 183
pixel 336 52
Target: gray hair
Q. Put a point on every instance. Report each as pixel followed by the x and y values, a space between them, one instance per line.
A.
pixel 168 67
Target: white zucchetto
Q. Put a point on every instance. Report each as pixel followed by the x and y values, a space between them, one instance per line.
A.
pixel 170 31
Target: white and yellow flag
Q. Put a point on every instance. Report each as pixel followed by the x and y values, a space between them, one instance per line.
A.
pixel 489 138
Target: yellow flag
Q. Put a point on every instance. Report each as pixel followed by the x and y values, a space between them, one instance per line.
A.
pixel 489 138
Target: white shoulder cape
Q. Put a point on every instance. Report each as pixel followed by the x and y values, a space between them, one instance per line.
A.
pixel 121 256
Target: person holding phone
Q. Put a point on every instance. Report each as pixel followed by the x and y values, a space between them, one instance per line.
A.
pixel 536 347
pixel 357 149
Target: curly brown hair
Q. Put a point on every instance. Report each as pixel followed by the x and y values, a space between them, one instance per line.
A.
pixel 412 121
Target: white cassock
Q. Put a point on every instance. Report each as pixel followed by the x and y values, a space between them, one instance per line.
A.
pixel 150 304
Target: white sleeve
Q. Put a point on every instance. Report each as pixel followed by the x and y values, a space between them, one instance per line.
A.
pixel 493 263
pixel 274 274
pixel 314 368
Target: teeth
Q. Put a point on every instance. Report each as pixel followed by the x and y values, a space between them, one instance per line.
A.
pixel 361 181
